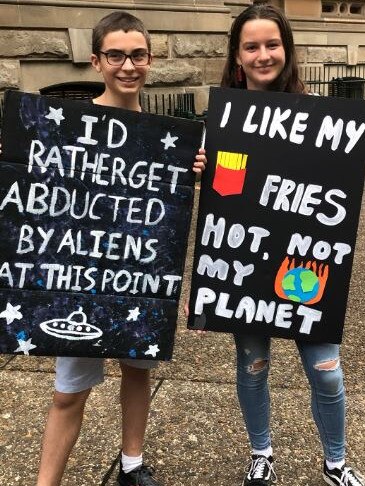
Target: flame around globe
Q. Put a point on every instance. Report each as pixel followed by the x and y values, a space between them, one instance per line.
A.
pixel 304 283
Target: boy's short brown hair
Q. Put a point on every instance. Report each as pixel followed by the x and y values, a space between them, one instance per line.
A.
pixel 117 21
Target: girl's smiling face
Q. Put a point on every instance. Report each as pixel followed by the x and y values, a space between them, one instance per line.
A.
pixel 260 53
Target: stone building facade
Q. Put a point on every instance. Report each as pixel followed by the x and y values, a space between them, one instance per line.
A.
pixel 44 42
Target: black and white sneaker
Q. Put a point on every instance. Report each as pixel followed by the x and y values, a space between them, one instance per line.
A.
pixel 260 472
pixel 345 476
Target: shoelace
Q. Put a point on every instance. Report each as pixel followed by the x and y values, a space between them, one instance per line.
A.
pixel 257 467
pixel 348 478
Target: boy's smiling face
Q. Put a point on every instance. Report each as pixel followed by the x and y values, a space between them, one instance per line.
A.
pixel 124 81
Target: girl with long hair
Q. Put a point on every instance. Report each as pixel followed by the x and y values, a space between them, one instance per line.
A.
pixel 261 56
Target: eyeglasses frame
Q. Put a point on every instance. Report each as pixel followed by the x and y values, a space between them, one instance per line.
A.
pixel 127 56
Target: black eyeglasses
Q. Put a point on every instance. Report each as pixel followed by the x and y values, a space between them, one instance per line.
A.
pixel 118 58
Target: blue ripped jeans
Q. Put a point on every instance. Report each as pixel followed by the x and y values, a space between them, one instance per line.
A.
pixel 327 389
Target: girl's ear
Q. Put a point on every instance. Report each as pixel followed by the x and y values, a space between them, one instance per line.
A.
pixel 95 62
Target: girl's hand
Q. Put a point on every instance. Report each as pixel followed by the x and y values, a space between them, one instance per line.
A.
pixel 200 161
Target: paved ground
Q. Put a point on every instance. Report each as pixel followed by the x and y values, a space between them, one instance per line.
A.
pixel 195 436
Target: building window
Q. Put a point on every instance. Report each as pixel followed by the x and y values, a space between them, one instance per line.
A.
pixel 343 9
pixel 356 9
pixel 329 7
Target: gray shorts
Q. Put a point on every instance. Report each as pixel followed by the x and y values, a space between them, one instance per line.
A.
pixel 77 374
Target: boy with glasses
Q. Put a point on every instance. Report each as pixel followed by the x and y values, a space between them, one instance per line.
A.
pixel 121 49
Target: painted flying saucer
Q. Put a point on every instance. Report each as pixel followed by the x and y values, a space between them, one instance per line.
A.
pixel 75 327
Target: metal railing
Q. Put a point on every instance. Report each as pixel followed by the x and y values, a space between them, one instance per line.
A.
pixel 335 80
pixel 174 104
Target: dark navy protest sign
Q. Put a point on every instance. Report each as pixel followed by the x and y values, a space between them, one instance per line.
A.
pixel 95 208
pixel 279 210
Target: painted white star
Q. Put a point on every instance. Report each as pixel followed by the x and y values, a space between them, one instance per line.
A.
pixel 25 346
pixel 55 115
pixel 133 314
pixel 169 141
pixel 11 313
pixel 152 350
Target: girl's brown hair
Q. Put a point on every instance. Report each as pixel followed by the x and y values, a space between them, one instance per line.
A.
pixel 288 80
pixel 117 21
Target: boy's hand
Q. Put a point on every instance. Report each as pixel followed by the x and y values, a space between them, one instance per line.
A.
pixel 200 161
pixel 186 312
pixel 186 308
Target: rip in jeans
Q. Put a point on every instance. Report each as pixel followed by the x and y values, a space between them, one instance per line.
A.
pixel 328 365
pixel 257 366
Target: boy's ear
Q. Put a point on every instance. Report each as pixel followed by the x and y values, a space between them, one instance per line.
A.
pixel 95 62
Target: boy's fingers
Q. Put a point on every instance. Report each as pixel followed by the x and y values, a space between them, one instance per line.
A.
pixel 198 331
pixel 186 309
pixel 200 161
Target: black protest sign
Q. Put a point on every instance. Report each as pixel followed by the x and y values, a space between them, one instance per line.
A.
pixel 95 208
pixel 279 210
